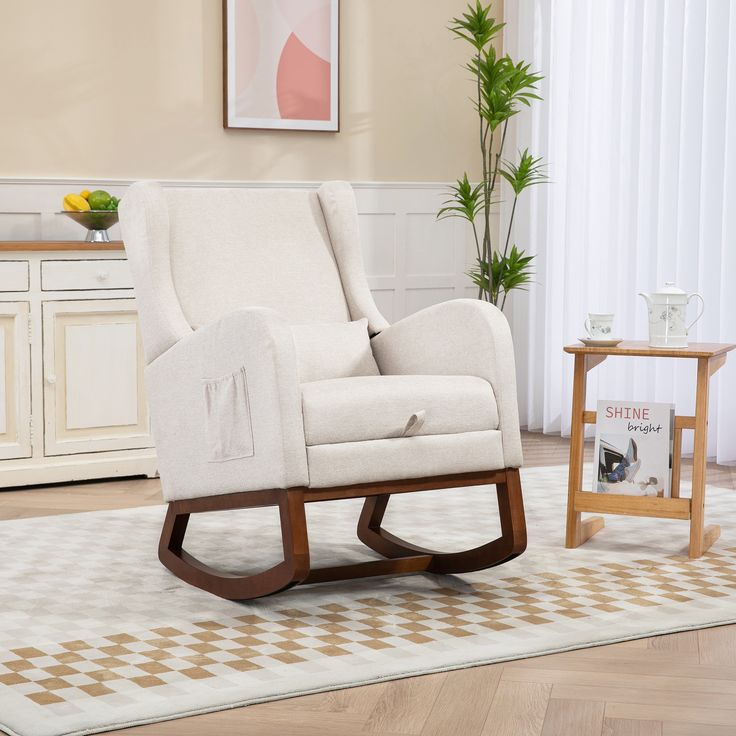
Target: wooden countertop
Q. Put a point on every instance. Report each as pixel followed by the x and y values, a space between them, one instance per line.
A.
pixel 50 245
pixel 641 348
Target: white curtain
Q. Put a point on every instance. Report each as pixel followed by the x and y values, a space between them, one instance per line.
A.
pixel 638 127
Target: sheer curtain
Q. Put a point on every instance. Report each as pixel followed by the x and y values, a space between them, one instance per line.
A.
pixel 638 127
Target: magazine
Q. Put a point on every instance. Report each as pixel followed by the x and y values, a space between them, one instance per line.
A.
pixel 633 448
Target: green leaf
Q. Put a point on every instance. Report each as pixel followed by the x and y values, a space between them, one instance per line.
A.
pixel 503 86
pixel 479 275
pixel 476 26
pixel 503 274
pixel 465 200
pixel 528 172
pixel 515 269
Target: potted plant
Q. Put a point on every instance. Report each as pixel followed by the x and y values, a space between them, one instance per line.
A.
pixel 502 86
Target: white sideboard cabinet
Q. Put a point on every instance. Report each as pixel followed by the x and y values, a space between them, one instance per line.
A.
pixel 72 398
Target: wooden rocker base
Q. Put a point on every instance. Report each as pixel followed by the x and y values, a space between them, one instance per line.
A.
pixel 401 557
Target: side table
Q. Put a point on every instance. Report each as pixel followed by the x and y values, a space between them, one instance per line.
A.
pixel 710 357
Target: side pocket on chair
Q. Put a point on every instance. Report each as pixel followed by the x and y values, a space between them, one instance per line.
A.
pixel 228 427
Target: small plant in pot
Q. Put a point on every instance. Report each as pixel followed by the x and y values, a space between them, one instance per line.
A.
pixel 502 86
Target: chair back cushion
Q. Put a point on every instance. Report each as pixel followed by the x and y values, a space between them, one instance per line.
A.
pixel 233 248
pixel 197 254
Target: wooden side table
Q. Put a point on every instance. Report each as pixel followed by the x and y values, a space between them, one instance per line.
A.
pixel 710 357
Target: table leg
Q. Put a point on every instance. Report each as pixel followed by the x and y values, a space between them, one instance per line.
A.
pixel 578 531
pixel 700 537
pixel 676 463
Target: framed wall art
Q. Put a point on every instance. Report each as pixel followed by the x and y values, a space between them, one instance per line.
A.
pixel 281 64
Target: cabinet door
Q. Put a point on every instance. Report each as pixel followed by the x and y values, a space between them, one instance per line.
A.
pixel 15 381
pixel 94 397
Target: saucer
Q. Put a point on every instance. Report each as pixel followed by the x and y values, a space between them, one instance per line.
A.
pixel 609 342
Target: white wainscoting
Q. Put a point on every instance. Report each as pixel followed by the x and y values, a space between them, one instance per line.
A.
pixel 411 259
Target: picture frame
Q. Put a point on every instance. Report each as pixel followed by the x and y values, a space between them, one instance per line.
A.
pixel 281 64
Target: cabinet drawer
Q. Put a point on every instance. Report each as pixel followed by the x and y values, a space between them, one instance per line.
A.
pixel 13 275
pixel 83 275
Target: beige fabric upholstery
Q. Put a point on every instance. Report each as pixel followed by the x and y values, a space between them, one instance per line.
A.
pixel 333 351
pixel 144 219
pixel 463 336
pixel 380 407
pixel 253 247
pixel 245 268
pixel 258 343
pixel 338 205
pixel 198 253
pixel 406 457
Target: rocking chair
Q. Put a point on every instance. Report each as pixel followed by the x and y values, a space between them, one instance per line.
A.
pixel 273 380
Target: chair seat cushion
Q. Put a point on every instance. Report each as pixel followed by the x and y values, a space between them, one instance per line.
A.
pixel 384 407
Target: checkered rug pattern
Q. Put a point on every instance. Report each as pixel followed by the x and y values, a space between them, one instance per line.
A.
pixel 95 634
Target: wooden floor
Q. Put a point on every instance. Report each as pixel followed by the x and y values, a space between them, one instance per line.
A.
pixel 676 685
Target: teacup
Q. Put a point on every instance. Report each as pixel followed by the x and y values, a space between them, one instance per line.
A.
pixel 599 326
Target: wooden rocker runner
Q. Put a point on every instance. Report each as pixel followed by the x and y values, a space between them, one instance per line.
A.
pixel 297 390
pixel 402 557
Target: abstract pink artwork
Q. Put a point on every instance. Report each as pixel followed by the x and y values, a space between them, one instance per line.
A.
pixel 281 64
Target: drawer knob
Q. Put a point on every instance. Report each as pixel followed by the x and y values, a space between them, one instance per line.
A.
pixel 51 378
pixel 102 275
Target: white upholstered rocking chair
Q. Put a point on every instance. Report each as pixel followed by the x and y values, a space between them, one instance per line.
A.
pixel 265 388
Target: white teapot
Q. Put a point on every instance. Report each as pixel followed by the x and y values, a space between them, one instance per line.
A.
pixel 668 315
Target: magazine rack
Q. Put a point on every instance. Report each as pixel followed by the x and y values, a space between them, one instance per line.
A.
pixel 710 357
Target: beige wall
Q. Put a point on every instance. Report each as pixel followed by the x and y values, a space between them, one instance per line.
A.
pixel 132 89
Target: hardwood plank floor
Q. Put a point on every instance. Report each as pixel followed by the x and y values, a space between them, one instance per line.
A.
pixel 573 715
pixel 463 703
pixel 517 709
pixel 674 685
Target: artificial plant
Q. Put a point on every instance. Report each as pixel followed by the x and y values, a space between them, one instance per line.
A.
pixel 501 87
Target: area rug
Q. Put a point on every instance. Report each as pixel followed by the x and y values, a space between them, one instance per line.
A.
pixel 95 634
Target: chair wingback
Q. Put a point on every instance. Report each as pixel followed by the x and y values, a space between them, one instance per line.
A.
pixel 200 253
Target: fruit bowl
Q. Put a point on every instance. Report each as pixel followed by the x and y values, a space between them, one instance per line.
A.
pixel 96 221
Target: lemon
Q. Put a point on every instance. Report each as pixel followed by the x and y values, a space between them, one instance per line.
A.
pixel 84 193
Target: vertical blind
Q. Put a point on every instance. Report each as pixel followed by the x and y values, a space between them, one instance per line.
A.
pixel 638 128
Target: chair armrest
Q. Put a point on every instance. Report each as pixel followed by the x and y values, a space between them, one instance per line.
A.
pixel 459 337
pixel 226 408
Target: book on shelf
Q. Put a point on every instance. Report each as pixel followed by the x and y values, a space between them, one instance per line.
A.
pixel 633 448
